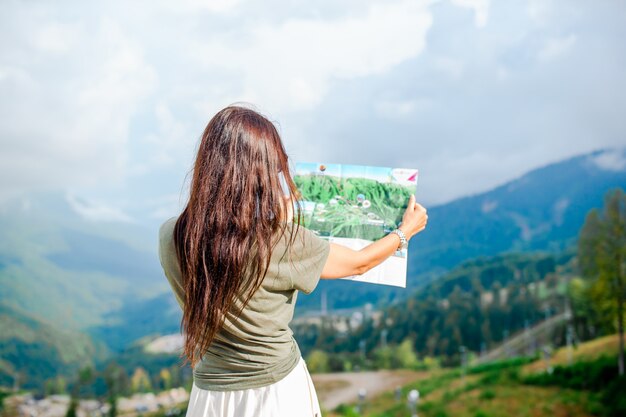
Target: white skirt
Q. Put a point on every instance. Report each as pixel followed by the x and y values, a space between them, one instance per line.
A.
pixel 292 396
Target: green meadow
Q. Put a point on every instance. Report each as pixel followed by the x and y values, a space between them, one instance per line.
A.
pixel 513 387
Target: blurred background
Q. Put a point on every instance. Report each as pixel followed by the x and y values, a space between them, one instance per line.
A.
pixel 512 111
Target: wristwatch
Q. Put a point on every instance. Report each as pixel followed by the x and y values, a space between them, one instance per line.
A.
pixel 403 242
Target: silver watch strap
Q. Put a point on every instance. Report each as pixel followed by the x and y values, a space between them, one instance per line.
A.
pixel 403 241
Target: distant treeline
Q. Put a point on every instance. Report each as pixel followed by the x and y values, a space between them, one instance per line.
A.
pixel 476 306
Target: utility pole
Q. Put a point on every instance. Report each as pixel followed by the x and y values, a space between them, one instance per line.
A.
pixel 527 341
pixel 398 393
pixel 547 355
pixel 507 348
pixel 16 381
pixel 570 348
pixel 569 335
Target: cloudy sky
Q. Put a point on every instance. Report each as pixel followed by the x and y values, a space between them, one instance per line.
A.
pixel 106 101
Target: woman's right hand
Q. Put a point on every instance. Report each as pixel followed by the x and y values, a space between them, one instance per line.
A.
pixel 414 219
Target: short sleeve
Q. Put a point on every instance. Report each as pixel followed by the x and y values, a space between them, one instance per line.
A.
pixel 169 260
pixel 308 254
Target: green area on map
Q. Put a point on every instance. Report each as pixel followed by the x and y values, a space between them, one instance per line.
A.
pixel 360 208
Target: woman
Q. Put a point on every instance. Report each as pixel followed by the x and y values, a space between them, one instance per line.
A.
pixel 236 260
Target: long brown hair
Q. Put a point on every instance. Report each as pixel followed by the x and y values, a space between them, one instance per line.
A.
pixel 225 235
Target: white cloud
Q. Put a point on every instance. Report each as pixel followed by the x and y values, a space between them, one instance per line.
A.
pixel 611 160
pixel 56 37
pixel 213 6
pixel 555 47
pixel 109 98
pixel 170 134
pixel 291 66
pixel 480 8
pixel 166 205
pixel 93 211
pixel 539 10
pixel 400 109
pixel 65 121
pixel 450 66
pixel 116 93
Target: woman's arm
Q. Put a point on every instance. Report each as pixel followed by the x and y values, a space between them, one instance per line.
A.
pixel 345 262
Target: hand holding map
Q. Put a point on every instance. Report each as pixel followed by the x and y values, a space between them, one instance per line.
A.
pixel 414 219
pixel 355 205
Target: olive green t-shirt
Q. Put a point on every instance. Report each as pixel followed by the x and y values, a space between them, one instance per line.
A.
pixel 258 348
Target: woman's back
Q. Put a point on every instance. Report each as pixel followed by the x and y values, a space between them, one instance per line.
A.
pixel 234 249
pixel 256 348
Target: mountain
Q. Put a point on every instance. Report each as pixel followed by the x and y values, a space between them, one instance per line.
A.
pixel 58 265
pixel 62 277
pixel 154 316
pixel 33 350
pixel 542 210
pixel 103 278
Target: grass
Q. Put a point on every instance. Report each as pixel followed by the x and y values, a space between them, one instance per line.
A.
pixel 587 351
pixel 518 400
pixel 490 394
pixel 502 388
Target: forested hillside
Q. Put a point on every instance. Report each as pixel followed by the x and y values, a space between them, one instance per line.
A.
pixel 476 305
pixel 33 351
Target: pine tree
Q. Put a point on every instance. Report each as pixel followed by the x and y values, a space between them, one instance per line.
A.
pixel 602 259
pixel 115 378
pixel 71 411
pixel 112 405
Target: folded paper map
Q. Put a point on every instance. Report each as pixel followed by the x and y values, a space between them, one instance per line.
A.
pixel 354 205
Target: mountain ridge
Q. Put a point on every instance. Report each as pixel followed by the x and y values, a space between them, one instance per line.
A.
pixel 76 273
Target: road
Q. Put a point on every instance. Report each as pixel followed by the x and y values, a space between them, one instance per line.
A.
pixel 342 388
